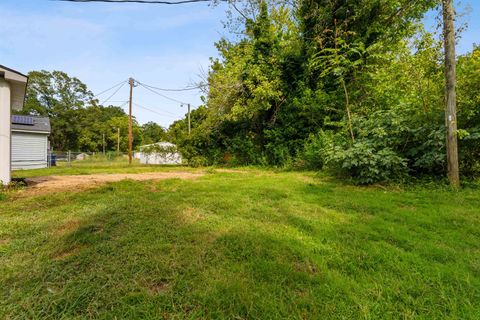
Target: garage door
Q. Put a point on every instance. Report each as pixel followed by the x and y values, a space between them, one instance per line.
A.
pixel 29 150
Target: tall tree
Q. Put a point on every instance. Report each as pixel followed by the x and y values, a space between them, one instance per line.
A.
pixel 450 92
pixel 59 97
pixel 153 133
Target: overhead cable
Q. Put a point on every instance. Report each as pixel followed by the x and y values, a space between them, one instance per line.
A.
pixel 141 1
pixel 99 94
pixel 161 111
pixel 113 93
pixel 182 89
pixel 156 112
pixel 160 94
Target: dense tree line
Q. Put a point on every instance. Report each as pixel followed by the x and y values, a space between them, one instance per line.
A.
pixel 354 86
pixel 78 120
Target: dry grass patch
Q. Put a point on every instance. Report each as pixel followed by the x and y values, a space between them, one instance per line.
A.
pixel 158 287
pixel 68 227
pixel 5 241
pixel 191 215
pixel 65 254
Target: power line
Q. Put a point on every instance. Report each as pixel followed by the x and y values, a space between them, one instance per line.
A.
pixel 160 94
pixel 161 111
pixel 124 104
pixel 183 89
pixel 113 93
pixel 140 1
pixel 109 89
pixel 156 112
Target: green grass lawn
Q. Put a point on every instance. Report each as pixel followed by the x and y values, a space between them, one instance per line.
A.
pixel 247 245
pixel 96 167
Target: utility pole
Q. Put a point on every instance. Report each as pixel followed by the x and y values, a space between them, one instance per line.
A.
pixel 450 93
pixel 189 121
pixel 104 144
pixel 118 141
pixel 130 131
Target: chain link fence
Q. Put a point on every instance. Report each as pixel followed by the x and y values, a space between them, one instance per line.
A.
pixel 69 158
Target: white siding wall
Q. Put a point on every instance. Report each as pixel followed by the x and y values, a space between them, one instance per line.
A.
pixel 157 158
pixel 29 150
pixel 4 132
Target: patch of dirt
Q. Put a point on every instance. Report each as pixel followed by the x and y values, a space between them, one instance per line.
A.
pixel 231 171
pixel 66 254
pixel 4 242
pixel 44 185
pixel 191 215
pixel 306 266
pixel 68 227
pixel 158 287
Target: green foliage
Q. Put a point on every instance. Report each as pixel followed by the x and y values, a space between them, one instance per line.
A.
pixel 468 70
pixel 153 133
pixel 316 151
pixel 59 97
pixel 355 86
pixel 97 121
pixel 113 155
pixel 366 163
pixel 197 161
pixel 15 184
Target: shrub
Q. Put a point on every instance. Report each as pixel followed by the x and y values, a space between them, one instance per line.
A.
pixel 366 164
pixel 426 151
pixel 315 151
pixel 197 161
pixel 15 184
pixel 113 155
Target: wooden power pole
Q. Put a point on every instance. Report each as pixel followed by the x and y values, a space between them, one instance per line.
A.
pixel 189 121
pixel 450 93
pixel 130 131
pixel 118 141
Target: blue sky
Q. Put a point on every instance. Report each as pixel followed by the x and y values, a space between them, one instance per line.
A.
pixel 103 44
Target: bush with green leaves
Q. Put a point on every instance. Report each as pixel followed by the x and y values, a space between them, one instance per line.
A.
pixel 389 145
pixel 315 150
pixel 367 163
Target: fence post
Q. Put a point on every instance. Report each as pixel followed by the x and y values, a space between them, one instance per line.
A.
pixel 69 158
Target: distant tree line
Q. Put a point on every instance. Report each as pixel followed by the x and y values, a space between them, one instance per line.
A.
pixel 353 86
pixel 78 120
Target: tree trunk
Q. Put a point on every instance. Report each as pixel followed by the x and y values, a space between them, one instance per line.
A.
pixel 349 114
pixel 450 94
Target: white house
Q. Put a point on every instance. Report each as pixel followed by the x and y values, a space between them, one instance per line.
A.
pixel 12 95
pixel 30 142
pixel 160 153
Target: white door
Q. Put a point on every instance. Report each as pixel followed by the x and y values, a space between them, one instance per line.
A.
pixel 29 150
